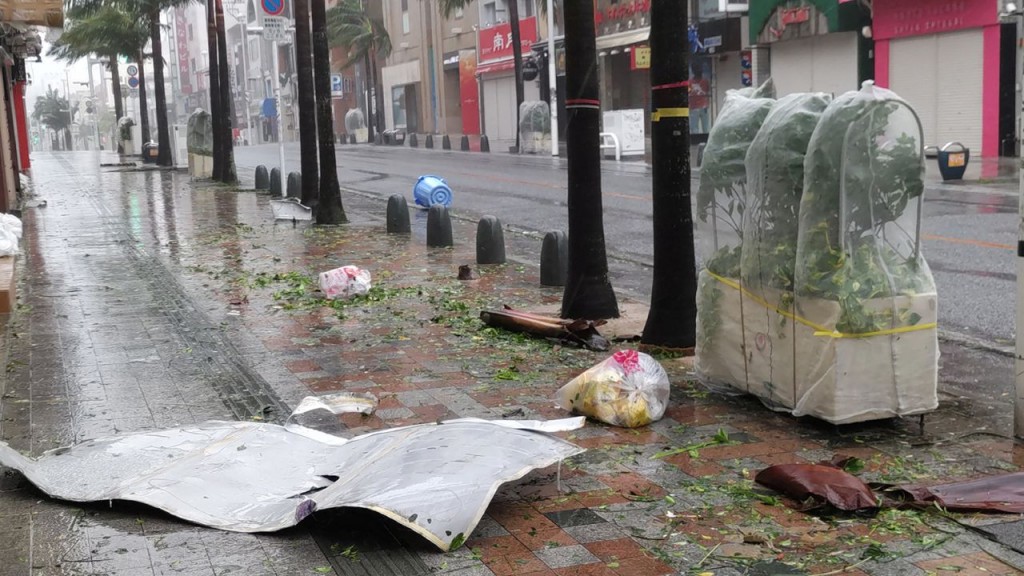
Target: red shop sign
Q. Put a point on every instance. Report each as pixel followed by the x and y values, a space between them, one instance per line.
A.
pixel 496 42
pixel 794 15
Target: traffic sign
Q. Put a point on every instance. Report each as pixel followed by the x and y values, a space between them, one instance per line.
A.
pixel 133 70
pixel 273 7
pixel 337 86
pixel 133 82
pixel 274 27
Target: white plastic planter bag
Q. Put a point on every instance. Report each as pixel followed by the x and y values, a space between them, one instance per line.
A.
pixel 721 202
pixel 627 389
pixel 865 307
pixel 435 479
pixel 345 282
pixel 775 183
pixel 12 223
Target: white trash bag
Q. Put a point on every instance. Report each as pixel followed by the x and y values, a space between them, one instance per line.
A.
pixel 12 223
pixel 345 282
pixel 627 389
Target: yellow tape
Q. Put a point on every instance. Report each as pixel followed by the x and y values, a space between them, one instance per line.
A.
pixel 670 113
pixel 819 330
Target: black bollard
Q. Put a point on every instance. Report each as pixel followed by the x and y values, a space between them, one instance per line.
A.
pixel 490 241
pixel 485 144
pixel 275 181
pixel 439 227
pixel 295 185
pixel 378 139
pixel 446 142
pixel 430 142
pixel 412 141
pixel 351 138
pixel 341 140
pixel 554 259
pixel 398 215
pixel 262 178
pixel 464 145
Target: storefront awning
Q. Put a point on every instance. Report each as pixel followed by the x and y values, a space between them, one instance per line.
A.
pixel 623 38
pixel 496 66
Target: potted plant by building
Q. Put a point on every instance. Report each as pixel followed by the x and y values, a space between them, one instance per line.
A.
pixel 124 136
pixel 775 183
pixel 865 344
pixel 721 200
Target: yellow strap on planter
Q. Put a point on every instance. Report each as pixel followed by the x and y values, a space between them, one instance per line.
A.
pixel 670 113
pixel 819 330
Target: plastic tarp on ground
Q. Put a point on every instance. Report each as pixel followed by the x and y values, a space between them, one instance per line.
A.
pixel 721 201
pixel 436 479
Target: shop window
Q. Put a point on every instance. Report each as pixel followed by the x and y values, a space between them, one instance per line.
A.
pixel 405 16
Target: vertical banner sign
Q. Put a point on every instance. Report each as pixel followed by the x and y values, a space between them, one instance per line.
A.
pixel 184 70
pixel 746 68
pixel 468 92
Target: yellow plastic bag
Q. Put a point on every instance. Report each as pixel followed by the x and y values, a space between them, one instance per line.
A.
pixel 628 389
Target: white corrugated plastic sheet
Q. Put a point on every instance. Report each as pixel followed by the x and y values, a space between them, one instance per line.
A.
pixel 436 479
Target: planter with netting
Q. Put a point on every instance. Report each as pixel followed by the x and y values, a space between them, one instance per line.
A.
pixel 721 201
pixel 865 306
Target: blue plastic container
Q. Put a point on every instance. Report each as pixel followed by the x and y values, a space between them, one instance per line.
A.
pixel 430 190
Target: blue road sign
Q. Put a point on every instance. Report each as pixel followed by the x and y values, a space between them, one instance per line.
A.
pixel 133 70
pixel 273 7
pixel 133 82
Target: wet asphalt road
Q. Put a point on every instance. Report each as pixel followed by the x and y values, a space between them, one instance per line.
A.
pixel 969 231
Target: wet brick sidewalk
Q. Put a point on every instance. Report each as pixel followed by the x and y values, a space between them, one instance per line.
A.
pixel 149 301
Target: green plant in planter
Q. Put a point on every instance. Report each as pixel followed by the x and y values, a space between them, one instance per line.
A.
pixel 722 193
pixel 124 129
pixel 858 241
pixel 775 181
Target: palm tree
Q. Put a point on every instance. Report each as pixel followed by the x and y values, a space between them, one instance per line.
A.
pixel 54 111
pixel 217 111
pixel 107 31
pixel 588 291
pixel 228 174
pixel 329 209
pixel 307 106
pixel 351 28
pixel 672 320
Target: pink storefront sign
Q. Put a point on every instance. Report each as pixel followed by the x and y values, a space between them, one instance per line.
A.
pixel 902 18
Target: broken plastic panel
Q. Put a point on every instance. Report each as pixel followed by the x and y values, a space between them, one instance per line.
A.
pixel 436 479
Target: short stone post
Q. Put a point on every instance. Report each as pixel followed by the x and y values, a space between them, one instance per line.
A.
pixel 429 144
pixel 398 215
pixel 262 178
pixel 485 144
pixel 295 185
pixel 275 182
pixel 439 227
pixel 446 143
pixel 554 259
pixel 464 145
pixel 490 241
pixel 413 142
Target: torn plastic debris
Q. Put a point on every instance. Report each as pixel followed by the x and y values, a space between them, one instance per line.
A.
pixel 344 282
pixel 579 332
pixel 436 479
pixel 827 483
pixel 628 388
pixel 290 209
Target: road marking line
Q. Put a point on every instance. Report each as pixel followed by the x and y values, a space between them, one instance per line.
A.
pixel 969 242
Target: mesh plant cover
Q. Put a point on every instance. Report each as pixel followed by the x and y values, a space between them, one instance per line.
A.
pixel 860 213
pixel 354 120
pixel 535 117
pixel 200 133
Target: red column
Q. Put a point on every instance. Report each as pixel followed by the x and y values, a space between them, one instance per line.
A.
pixel 22 122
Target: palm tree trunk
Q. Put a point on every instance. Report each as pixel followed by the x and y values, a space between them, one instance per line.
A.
pixel 307 106
pixel 216 108
pixel 378 97
pixel 143 102
pixel 228 174
pixel 370 88
pixel 330 209
pixel 672 320
pixel 118 98
pixel 163 136
pixel 517 60
pixel 588 292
